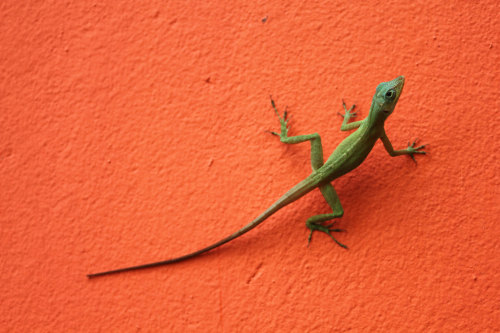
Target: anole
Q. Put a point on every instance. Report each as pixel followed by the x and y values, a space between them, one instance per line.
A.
pixel 347 156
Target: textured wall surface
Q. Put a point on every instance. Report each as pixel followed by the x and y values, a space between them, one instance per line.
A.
pixel 136 132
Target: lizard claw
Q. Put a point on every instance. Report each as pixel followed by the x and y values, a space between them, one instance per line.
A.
pixel 273 133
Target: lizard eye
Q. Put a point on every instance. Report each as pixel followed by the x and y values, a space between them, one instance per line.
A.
pixel 390 94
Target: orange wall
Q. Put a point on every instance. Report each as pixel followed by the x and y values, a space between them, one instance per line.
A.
pixel 135 132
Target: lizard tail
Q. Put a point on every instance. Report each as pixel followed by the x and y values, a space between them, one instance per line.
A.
pixel 293 194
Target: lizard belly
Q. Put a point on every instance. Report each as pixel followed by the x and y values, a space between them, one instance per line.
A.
pixel 348 155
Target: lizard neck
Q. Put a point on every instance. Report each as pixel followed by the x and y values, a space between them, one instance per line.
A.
pixel 376 118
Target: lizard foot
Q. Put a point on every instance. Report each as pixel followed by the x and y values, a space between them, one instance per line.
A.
pixel 327 229
pixel 348 112
pixel 415 150
pixel 283 121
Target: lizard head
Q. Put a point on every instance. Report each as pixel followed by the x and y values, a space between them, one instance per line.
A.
pixel 386 97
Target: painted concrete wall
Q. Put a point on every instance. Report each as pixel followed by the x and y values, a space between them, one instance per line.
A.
pixel 134 132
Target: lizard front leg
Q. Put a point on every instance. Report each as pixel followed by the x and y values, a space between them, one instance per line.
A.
pixel 410 150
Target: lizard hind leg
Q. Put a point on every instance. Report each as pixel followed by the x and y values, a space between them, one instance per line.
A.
pixel 315 223
pixel 316 147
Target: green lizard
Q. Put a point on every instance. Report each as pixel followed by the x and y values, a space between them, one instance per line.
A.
pixel 346 157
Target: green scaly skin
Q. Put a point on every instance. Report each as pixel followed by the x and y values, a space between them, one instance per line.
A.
pixel 349 154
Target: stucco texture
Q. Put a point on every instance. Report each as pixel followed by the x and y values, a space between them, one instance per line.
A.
pixel 134 131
